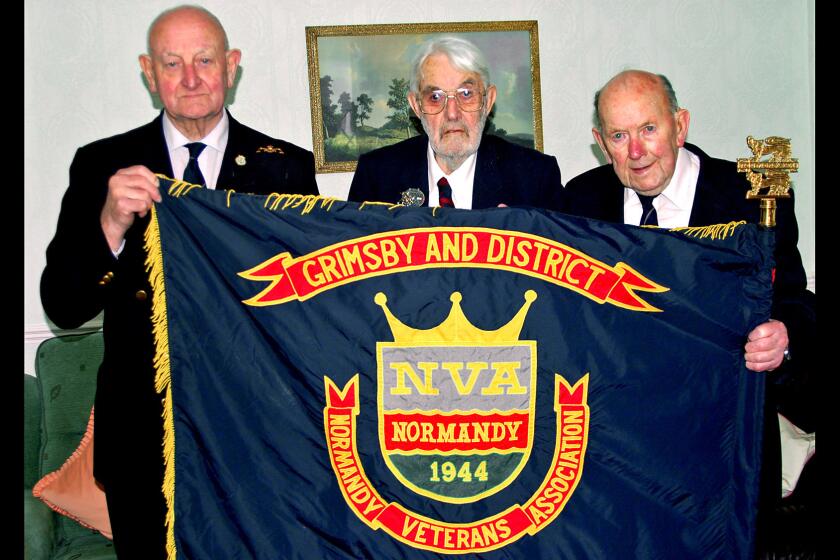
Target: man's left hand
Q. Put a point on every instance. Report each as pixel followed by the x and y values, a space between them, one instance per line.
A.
pixel 766 345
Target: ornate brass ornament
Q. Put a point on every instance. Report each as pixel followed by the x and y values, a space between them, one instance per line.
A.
pixel 770 177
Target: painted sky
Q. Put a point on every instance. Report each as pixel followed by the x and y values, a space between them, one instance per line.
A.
pixel 367 64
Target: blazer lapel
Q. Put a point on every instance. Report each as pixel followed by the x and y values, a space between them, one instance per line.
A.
pixel 411 168
pixel 229 175
pixel 487 183
pixel 706 207
pixel 157 158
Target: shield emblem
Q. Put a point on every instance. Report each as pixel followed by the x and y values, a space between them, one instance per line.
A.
pixel 456 420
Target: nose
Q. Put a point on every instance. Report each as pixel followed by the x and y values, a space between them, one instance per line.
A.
pixel 452 110
pixel 190 77
pixel 636 148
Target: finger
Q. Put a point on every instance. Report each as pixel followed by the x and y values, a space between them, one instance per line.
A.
pixel 773 343
pixel 137 177
pixel 761 364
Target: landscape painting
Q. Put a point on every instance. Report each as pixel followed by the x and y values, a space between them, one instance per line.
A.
pixel 359 79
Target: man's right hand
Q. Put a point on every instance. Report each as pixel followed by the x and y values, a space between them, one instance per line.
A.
pixel 130 191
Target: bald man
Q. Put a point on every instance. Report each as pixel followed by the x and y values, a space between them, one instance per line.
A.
pixel 95 262
pixel 654 177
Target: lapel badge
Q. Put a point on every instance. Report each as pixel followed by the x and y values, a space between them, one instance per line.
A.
pixel 270 149
pixel 412 197
pixel 240 160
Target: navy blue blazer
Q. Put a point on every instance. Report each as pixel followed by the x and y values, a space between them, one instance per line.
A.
pixel 127 421
pixel 505 173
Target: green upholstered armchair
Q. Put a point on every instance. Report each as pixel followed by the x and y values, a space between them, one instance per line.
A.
pixel 57 404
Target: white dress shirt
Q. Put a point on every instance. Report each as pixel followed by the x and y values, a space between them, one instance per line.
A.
pixel 461 181
pixel 210 159
pixel 673 205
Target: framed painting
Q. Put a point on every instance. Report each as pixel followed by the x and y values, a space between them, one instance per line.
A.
pixel 359 78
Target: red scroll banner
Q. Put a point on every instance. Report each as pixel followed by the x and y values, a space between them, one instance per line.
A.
pixel 412 249
pixel 485 534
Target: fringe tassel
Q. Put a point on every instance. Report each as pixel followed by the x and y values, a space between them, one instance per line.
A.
pixel 717 231
pixel 388 204
pixel 154 267
pixel 308 201
pixel 178 188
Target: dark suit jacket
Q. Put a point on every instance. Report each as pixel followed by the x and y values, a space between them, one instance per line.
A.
pixel 74 288
pixel 505 173
pixel 720 198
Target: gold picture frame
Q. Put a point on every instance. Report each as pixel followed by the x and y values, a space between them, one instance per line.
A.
pixel 370 66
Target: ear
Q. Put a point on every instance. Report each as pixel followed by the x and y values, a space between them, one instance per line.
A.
pixel 232 58
pixel 491 99
pixel 682 118
pixel 597 135
pixel 412 100
pixel 149 71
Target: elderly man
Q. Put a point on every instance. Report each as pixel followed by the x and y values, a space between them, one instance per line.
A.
pixel 95 262
pixel 655 178
pixel 453 164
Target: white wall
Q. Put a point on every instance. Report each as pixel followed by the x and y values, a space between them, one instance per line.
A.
pixel 741 67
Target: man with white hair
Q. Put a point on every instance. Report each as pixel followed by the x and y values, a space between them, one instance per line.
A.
pixel 455 164
pixel 95 262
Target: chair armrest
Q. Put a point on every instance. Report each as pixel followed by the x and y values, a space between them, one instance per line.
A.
pixel 38 528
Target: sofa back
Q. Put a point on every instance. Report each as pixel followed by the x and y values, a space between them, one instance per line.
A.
pixel 66 369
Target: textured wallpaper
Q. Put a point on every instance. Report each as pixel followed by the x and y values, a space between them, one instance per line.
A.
pixel 740 67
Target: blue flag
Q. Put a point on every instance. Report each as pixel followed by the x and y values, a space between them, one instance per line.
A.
pixel 376 381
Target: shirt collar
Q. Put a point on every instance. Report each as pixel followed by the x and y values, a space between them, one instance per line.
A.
pixel 461 176
pixel 680 190
pixel 216 138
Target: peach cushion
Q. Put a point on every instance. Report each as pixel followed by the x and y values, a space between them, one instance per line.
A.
pixel 72 491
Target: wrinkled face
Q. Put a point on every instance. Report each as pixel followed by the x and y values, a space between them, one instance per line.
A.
pixel 641 136
pixel 188 66
pixel 453 133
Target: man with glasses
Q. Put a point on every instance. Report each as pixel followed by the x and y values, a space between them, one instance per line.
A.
pixel 453 164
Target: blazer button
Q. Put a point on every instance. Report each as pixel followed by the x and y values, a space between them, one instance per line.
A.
pixel 140 295
pixel 106 279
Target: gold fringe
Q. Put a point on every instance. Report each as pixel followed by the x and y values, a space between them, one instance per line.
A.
pixel 230 192
pixel 716 231
pixel 308 201
pixel 373 203
pixel 178 188
pixel 160 329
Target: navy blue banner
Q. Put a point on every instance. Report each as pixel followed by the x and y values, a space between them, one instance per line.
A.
pixel 370 381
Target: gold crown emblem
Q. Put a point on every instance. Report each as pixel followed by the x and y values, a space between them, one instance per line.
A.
pixel 456 328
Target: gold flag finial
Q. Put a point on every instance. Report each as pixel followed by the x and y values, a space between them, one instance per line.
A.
pixel 770 175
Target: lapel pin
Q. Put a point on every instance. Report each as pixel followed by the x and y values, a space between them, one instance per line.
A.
pixel 240 160
pixel 412 197
pixel 270 149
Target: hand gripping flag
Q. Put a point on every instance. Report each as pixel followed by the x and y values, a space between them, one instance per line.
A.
pixel 373 381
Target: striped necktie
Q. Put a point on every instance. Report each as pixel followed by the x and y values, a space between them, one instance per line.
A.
pixel 445 194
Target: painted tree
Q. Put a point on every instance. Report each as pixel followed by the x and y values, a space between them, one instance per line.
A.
pixel 331 119
pixel 365 105
pixel 398 101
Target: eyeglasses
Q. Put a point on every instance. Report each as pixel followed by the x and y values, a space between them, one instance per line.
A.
pixel 434 101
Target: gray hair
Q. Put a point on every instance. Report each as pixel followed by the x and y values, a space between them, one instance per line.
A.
pixel 667 88
pixel 462 54
pixel 186 7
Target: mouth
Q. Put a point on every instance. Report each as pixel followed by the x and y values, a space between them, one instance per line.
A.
pixel 641 170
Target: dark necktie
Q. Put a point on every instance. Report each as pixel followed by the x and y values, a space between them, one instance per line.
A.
pixel 445 194
pixel 648 211
pixel 192 173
